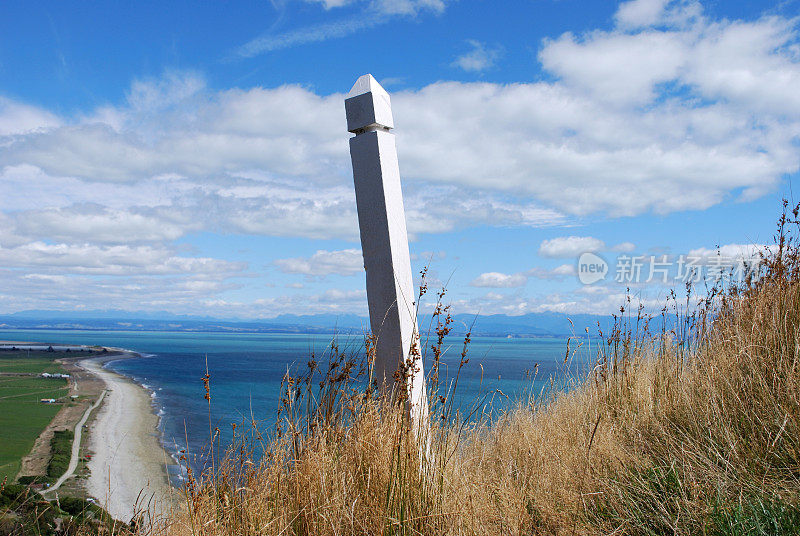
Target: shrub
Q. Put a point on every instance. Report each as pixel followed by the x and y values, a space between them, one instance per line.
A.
pixel 60 453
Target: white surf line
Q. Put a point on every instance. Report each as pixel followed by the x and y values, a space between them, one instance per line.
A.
pixel 76 446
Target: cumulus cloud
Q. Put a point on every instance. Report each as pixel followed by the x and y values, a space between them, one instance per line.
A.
pixel 569 246
pixel 92 223
pixel 586 300
pixel 19 118
pixel 286 131
pixel 562 270
pixel 499 280
pixel 519 279
pixel 624 247
pixel 642 13
pixel 111 260
pixel 27 187
pixel 564 247
pixel 479 58
pixel 637 13
pixel 344 262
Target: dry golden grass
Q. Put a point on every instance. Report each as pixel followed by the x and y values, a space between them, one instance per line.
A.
pixel 687 431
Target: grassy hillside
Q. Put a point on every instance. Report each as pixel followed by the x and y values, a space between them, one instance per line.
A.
pixel 23 512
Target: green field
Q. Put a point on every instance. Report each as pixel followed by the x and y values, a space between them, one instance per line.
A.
pixel 22 415
pixel 34 362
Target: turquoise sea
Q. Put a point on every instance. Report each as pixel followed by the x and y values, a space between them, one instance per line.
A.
pixel 246 371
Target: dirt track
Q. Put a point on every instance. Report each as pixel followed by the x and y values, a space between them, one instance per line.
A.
pixel 81 383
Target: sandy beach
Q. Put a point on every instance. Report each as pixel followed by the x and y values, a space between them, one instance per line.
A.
pixel 128 466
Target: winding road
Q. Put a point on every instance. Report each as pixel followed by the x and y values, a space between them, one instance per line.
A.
pixel 76 446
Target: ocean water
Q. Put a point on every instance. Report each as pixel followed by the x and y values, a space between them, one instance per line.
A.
pixel 246 370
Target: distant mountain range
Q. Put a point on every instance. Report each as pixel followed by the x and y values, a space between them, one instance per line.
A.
pixel 529 325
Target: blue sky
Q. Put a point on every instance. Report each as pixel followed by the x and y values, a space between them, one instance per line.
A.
pixel 193 157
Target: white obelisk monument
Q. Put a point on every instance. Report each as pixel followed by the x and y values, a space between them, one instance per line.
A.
pixel 384 240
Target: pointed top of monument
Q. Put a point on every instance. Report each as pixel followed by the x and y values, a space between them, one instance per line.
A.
pixel 367 84
pixel 368 106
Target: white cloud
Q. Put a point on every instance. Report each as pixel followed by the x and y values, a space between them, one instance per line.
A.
pixel 442 208
pixel 280 211
pixel 622 69
pixel 330 301
pixel 337 295
pixel 624 247
pixel 177 293
pixel 310 34
pixel 577 155
pixel 429 256
pixel 499 280
pixel 172 294
pixel 586 300
pixel 91 223
pixel 110 260
pixel 331 4
pixel 286 131
pixel 749 65
pixel 642 13
pixel 173 88
pixel 564 247
pixel 8 236
pixel 480 58
pixel 18 118
pixel 344 262
pixel 410 7
pixel 563 270
pixel 638 13
pixel 746 63
pixel 374 13
pixel 26 187
pixel 733 252
pixel 392 7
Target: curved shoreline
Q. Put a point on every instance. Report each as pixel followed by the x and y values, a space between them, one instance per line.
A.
pixel 128 468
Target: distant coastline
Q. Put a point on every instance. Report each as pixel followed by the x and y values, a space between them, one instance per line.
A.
pixel 531 325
